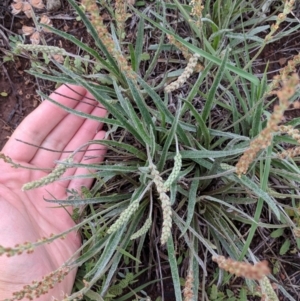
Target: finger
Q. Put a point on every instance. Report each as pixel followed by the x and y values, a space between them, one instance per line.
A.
pixel 70 133
pixel 41 122
pixel 94 154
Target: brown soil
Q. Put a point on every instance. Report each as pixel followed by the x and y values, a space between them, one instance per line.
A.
pixel 21 98
pixel 19 86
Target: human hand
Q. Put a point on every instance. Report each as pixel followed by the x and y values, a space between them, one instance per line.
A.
pixel 24 215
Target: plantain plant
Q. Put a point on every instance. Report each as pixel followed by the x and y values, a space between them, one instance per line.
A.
pixel 193 152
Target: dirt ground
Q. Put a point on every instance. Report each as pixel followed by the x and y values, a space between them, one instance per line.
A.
pixel 20 99
pixel 17 85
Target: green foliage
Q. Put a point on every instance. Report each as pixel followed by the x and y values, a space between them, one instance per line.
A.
pixel 206 126
pixel 118 288
pixel 285 247
pixel 216 295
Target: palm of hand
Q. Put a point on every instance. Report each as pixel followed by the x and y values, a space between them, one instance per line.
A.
pixel 25 216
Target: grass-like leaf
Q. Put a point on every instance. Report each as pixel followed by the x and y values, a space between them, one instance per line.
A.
pixel 211 95
pixel 174 269
pixel 91 29
pixel 202 53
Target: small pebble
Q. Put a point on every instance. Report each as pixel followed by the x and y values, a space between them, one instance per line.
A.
pixel 53 5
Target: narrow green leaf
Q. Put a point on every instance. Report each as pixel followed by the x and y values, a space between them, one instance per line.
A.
pixel 81 114
pixel 180 223
pixel 294 122
pixel 202 53
pixel 158 49
pixel 277 233
pixel 195 154
pixel 136 290
pixel 94 296
pixel 117 168
pixel 202 128
pixel 116 40
pixel 260 193
pixel 61 79
pixel 132 57
pixel 168 141
pixel 91 29
pixel 112 271
pixel 174 269
pixel 291 176
pixel 263 196
pixel 140 101
pixel 212 90
pixel 78 43
pixel 95 249
pixel 139 43
pixel 243 295
pixel 125 253
pixel 192 248
pixel 96 200
pixel 164 110
pixel 111 246
pixel 126 147
pixel 111 108
pixel 196 269
pixel 214 292
pixel 132 117
pixel 285 247
pixel 256 121
pixel 191 201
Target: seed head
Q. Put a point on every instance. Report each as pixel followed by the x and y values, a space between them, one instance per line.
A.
pixel 124 217
pixel 143 230
pixel 175 172
pixel 243 269
pixel 53 176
